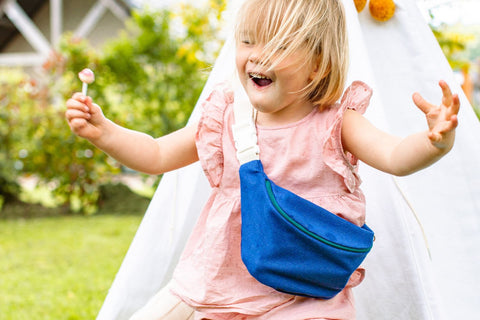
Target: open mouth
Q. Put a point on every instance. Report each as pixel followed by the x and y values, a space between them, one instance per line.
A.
pixel 259 79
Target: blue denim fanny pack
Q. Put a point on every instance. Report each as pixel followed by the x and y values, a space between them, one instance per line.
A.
pixel 289 243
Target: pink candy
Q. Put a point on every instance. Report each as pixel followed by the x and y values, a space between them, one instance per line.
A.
pixel 86 76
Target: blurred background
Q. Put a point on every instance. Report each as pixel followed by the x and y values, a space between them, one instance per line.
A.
pixel 456 25
pixel 67 211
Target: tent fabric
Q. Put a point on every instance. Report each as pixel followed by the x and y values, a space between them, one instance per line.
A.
pixel 425 258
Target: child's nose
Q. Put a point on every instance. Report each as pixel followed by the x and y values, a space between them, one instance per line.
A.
pixel 254 57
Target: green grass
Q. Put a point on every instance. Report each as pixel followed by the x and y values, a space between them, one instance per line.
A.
pixel 60 267
pixel 57 266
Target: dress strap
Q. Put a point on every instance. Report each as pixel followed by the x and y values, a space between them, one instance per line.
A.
pixel 244 131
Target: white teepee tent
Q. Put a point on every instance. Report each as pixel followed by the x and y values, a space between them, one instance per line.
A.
pixel 425 259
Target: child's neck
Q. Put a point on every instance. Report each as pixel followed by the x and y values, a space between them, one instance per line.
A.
pixel 283 117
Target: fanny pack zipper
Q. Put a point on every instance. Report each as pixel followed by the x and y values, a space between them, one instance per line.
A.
pixel 268 185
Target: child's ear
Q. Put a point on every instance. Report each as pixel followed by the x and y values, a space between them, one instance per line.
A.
pixel 315 69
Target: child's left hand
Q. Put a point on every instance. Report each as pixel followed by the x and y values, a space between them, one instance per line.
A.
pixel 442 120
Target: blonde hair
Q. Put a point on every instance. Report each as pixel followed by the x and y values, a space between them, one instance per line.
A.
pixel 285 26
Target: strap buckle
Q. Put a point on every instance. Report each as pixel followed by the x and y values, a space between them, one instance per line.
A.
pixel 245 137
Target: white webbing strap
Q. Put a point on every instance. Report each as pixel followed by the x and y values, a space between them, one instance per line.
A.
pixel 244 131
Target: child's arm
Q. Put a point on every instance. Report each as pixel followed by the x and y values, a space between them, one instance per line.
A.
pixel 404 156
pixel 136 150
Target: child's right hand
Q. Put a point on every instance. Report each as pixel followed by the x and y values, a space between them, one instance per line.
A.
pixel 84 117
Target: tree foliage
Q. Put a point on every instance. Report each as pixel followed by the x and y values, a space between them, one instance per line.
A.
pixel 147 79
pixel 453 44
pixel 461 46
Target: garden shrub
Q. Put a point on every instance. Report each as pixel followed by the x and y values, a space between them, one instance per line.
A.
pixel 147 79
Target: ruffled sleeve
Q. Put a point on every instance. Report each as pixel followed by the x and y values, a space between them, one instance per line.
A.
pixel 356 97
pixel 210 131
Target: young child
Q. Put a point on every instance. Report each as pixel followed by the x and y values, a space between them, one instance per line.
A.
pixel 292 62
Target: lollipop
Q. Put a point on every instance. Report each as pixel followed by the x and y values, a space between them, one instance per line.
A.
pixel 86 76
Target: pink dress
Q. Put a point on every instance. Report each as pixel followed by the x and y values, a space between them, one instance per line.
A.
pixel 305 157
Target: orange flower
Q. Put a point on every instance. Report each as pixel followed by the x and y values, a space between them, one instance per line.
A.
pixel 360 4
pixel 382 10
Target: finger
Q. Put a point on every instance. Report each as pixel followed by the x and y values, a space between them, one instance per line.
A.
pixel 455 108
pixel 451 124
pixel 434 136
pixel 447 126
pixel 88 101
pixel 95 109
pixel 79 96
pixel 82 98
pixel 76 104
pixel 437 134
pixel 454 121
pixel 447 93
pixel 421 103
pixel 77 124
pixel 74 113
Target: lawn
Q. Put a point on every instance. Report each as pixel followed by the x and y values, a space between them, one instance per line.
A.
pixel 61 266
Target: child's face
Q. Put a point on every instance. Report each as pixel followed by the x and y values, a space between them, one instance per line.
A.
pixel 276 92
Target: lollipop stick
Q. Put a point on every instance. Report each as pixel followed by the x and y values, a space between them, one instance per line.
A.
pixel 84 88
